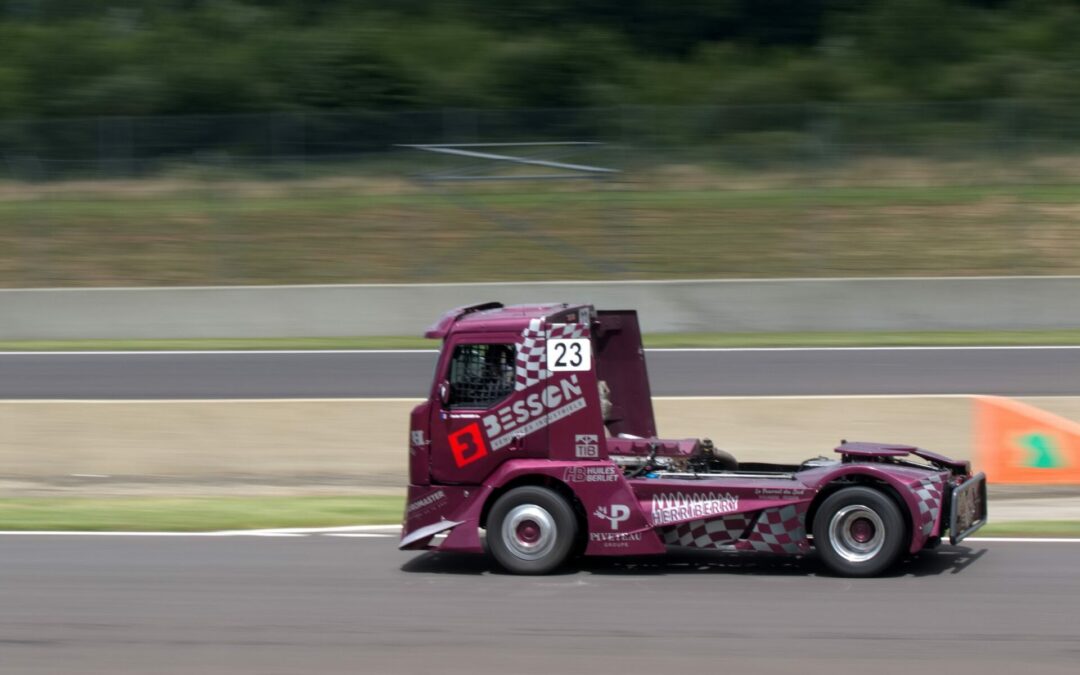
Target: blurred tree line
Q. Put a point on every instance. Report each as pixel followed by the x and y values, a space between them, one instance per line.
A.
pixel 152 57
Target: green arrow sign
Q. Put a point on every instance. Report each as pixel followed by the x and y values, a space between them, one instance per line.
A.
pixel 1042 451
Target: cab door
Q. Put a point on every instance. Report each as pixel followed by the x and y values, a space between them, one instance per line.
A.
pixel 481 416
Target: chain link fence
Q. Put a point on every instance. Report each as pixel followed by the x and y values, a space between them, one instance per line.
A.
pixel 751 137
pixel 737 191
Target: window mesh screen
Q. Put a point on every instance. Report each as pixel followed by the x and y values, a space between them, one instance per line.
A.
pixel 481 375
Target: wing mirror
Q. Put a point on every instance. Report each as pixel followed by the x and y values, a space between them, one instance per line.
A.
pixel 444 392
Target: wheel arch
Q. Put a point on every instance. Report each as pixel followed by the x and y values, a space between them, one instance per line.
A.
pixel 544 481
pixel 862 480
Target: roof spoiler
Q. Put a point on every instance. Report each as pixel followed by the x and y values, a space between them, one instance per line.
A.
pixel 440 328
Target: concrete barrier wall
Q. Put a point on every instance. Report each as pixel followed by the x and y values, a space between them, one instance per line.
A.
pixel 1002 303
pixel 362 443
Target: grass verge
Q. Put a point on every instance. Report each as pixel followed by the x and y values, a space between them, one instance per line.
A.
pixel 201 514
pixel 194 514
pixel 157 233
pixel 1032 528
pixel 923 338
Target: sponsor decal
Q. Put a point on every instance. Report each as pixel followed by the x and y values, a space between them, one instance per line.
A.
pixel 528 415
pixel 615 539
pixel 674 506
pixel 616 514
pixel 587 446
pixel 417 437
pixel 779 493
pixel 591 474
pixel 467 445
pixel 424 502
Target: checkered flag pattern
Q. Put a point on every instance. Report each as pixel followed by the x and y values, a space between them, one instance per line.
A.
pixel 531 359
pixel 928 495
pixel 715 533
pixel 531 364
pixel 778 530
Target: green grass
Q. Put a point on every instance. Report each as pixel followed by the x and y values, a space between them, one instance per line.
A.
pixel 264 232
pixel 206 514
pixel 1034 528
pixel 194 514
pixel 926 338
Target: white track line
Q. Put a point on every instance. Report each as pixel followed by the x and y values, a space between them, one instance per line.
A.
pixel 330 530
pixel 350 530
pixel 390 531
pixel 216 401
pixel 1026 540
pixel 68 533
pixel 373 535
pixel 498 285
pixel 417 399
pixel 797 397
pixel 221 352
pixel 898 348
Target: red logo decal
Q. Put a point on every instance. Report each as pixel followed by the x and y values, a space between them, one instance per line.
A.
pixel 468 445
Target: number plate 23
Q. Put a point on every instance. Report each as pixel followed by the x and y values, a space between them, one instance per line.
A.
pixel 569 354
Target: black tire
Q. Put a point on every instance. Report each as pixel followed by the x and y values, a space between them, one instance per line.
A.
pixel 859 532
pixel 531 530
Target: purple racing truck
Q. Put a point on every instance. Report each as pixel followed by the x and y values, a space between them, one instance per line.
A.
pixel 539 431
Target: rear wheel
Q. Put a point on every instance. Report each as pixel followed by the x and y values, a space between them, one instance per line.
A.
pixel 531 530
pixel 859 532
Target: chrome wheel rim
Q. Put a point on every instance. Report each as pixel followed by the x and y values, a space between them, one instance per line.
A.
pixel 529 532
pixel 856 533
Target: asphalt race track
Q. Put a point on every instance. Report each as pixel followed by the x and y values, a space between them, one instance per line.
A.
pixel 103 605
pixel 1049 371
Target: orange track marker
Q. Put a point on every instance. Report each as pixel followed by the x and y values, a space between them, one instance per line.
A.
pixel 1021 444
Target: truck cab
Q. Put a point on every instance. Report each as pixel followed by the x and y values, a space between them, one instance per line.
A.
pixel 538 432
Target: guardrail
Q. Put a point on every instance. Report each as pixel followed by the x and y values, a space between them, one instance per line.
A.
pixel 767 305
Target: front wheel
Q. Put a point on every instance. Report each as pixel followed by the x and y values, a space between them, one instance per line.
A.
pixel 531 530
pixel 859 532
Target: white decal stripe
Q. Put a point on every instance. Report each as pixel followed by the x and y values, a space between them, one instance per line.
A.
pixel 504 440
pixel 538 423
pixel 566 410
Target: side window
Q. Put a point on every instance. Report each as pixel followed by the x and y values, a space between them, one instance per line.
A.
pixel 481 375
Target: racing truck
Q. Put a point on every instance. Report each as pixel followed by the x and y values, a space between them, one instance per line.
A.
pixel 537 443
